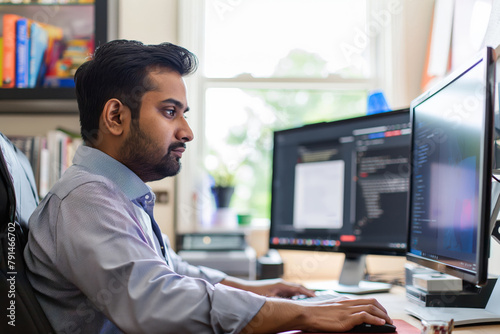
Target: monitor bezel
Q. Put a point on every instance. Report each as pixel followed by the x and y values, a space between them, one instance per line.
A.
pixel 348 250
pixel 479 277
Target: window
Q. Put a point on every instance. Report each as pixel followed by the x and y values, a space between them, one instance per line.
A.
pixel 267 65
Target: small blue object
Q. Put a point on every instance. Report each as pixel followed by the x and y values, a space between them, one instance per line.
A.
pixel 377 103
pixel 56 82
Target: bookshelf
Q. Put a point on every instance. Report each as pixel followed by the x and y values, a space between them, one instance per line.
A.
pixel 93 20
pixel 30 115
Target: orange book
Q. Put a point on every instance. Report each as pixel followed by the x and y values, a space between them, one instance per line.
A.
pixel 9 50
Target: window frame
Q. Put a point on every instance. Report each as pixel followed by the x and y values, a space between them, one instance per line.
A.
pixel 385 68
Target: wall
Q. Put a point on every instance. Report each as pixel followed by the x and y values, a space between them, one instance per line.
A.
pixel 38 125
pixel 417 25
pixel 148 21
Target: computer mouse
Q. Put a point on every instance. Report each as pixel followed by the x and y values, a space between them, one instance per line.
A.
pixel 368 328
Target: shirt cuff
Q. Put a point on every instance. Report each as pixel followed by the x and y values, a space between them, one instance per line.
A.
pixel 232 309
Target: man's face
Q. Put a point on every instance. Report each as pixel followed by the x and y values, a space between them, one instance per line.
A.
pixel 157 139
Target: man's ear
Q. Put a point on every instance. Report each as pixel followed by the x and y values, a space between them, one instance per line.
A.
pixel 115 117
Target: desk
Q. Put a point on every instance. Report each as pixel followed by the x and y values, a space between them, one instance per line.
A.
pixel 395 300
pixel 394 303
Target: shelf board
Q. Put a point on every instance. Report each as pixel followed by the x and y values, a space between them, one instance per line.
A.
pixel 7 94
pixel 38 106
pixel 24 4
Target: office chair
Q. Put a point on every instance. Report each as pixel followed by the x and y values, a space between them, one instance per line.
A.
pixel 18 199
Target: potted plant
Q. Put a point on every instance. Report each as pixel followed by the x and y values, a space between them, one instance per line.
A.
pixel 223 176
pixel 223 186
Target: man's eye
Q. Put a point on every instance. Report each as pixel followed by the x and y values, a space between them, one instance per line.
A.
pixel 169 112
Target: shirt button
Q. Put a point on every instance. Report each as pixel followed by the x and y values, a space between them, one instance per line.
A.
pixel 147 197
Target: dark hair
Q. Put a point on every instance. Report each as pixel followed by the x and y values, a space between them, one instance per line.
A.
pixel 119 69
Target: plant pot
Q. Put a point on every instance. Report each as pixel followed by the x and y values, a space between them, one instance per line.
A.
pixel 222 196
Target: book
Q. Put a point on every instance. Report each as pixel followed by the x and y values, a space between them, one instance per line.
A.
pixel 1 60
pixel 22 52
pixel 53 51
pixel 35 162
pixel 9 50
pixel 39 43
pixel 44 168
pixel 73 140
pixel 61 145
pixel 50 155
pixel 30 146
pixel 54 138
pixel 75 54
pixel 24 144
pixel 52 55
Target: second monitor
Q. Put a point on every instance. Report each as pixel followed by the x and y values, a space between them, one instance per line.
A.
pixel 342 187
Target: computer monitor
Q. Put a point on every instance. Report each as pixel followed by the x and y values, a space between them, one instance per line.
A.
pixel 450 207
pixel 342 186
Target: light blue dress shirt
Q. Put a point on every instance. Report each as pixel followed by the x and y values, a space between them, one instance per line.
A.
pixel 97 267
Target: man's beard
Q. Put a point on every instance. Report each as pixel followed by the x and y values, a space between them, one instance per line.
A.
pixel 138 152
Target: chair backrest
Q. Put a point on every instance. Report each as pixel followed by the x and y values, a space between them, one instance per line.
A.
pixel 20 310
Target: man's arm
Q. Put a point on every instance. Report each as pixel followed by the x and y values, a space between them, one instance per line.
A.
pixel 268 287
pixel 335 316
pixel 278 314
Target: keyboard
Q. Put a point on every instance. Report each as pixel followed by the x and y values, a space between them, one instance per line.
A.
pixel 320 296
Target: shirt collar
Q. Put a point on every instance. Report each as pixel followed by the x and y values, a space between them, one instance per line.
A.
pixel 100 163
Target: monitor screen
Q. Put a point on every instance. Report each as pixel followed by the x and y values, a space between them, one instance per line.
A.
pixel 450 184
pixel 342 186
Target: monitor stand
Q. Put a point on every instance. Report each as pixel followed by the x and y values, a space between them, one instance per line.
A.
pixel 351 279
pixel 460 315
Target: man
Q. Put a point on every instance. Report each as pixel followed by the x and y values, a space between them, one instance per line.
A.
pixel 95 255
